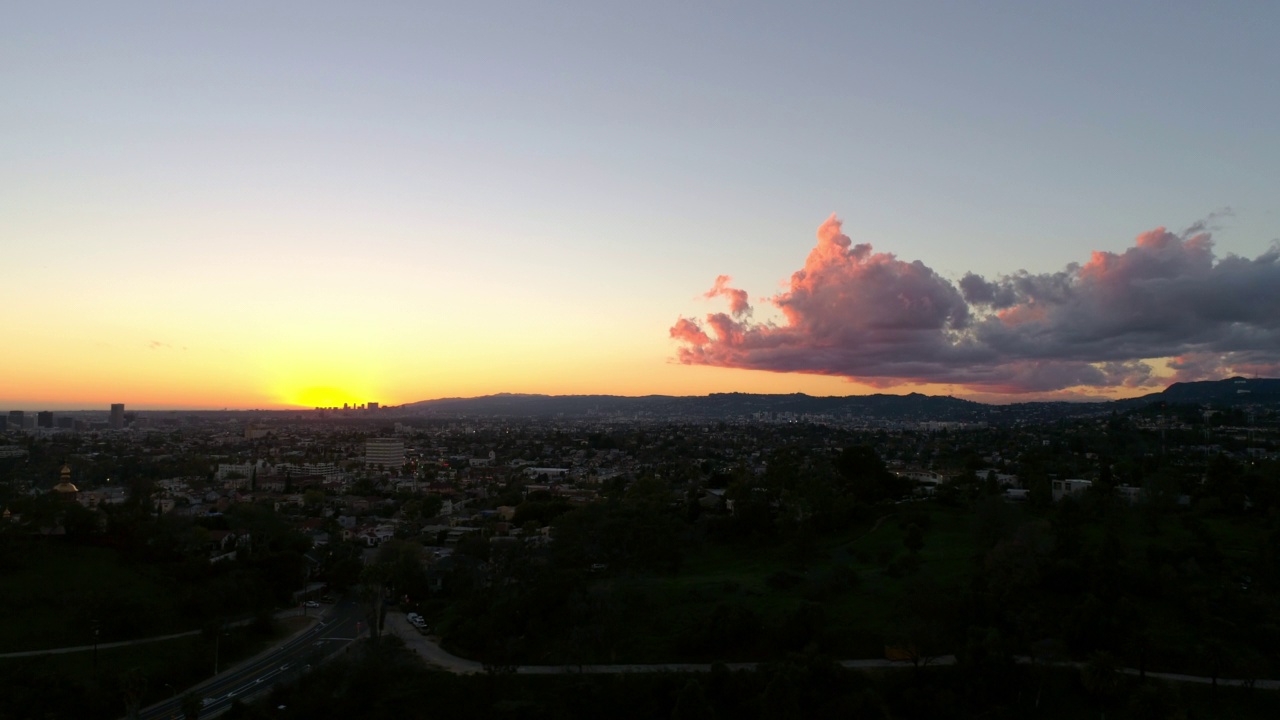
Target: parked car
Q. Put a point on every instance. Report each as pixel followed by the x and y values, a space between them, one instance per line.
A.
pixel 312 603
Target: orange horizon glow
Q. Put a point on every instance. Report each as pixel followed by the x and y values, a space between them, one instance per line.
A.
pixel 311 361
pixel 669 379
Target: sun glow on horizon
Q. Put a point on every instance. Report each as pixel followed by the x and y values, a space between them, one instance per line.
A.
pixel 313 397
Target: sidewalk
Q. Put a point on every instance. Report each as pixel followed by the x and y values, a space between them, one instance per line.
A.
pixel 433 654
pixel 99 646
pixel 291 612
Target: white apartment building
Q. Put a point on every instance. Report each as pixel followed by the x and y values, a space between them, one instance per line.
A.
pixel 385 452
pixel 1070 486
pixel 328 471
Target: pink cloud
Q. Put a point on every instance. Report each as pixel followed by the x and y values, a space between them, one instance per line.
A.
pixel 871 317
pixel 738 304
pixel 688 331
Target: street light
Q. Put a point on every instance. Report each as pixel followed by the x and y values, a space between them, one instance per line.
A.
pixel 306 583
pixel 96 630
pixel 217 646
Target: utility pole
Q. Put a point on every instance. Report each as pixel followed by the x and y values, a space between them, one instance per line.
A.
pixel 217 647
pixel 306 583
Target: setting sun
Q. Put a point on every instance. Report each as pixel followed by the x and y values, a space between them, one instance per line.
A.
pixel 321 397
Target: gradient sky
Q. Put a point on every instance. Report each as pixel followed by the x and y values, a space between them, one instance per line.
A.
pixel 263 204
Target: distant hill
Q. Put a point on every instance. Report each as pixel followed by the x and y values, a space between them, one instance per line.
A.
pixel 912 407
pixel 717 405
pixel 1232 391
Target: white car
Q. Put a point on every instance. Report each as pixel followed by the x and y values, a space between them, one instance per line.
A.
pixel 312 603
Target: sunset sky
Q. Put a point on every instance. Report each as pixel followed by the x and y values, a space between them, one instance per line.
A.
pixel 274 204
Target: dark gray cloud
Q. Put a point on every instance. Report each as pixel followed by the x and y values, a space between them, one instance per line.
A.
pixel 873 318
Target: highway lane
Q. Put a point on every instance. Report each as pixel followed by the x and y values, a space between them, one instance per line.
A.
pixel 338 627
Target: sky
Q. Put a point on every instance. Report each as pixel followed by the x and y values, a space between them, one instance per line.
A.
pixel 299 204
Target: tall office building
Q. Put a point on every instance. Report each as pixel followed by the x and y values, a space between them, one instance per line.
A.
pixel 117 415
pixel 16 419
pixel 44 419
pixel 385 452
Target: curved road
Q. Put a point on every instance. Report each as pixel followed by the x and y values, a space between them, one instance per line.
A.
pixel 337 627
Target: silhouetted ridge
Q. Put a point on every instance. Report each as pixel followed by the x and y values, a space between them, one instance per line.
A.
pixel 910 407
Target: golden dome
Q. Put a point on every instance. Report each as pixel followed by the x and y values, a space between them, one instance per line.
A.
pixel 65 487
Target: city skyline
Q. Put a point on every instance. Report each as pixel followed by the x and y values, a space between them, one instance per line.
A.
pixel 309 205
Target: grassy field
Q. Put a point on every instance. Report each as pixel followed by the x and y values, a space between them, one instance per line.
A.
pixel 51 685
pixel 856 580
pixel 60 590
pixel 853 592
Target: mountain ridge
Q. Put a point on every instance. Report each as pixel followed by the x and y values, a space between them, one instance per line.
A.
pixel 912 406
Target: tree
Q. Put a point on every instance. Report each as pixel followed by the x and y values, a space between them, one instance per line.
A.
pixel 866 477
pixel 133 686
pixel 1101 679
pixel 1152 701
pixel 374 580
pixel 342 565
pixel 988 665
pixel 1040 496
pixel 922 623
pixel 1222 480
pixel 1159 498
pixel 782 698
pixel 692 704
pixel 405 572
pixel 622 534
pixel 431 505
pixel 994 520
pixel 313 500
pixel 540 512
pixel 752 512
pixel 913 539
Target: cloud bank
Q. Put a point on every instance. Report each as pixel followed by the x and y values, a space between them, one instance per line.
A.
pixel 870 317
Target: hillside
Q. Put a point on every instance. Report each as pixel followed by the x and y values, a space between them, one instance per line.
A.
pixel 1231 392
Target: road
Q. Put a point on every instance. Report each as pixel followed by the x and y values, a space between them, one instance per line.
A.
pixel 338 627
